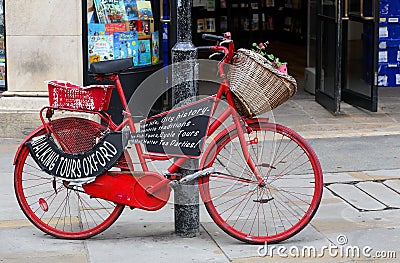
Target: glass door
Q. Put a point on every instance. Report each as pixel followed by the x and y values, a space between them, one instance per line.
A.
pixel 347 53
pixel 329 54
pixel 360 36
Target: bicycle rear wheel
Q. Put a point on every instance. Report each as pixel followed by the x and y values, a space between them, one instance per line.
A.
pixel 53 205
pixel 257 213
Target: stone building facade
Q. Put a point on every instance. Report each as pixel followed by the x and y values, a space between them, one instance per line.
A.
pixel 43 42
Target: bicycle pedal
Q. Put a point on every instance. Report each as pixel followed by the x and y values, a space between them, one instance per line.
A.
pixel 196 175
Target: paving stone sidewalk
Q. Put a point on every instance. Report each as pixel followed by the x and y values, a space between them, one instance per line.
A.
pixel 358 219
pixel 359 211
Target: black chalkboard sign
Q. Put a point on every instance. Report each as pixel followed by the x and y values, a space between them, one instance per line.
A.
pixel 179 132
pixel 88 164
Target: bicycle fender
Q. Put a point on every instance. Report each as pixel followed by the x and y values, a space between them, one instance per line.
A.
pixel 38 131
pixel 72 166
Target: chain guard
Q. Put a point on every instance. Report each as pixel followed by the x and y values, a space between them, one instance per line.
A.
pixel 130 189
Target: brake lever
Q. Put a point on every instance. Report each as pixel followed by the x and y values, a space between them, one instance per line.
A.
pixel 227 41
pixel 215 54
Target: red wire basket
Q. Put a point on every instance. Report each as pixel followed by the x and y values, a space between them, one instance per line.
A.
pixel 63 94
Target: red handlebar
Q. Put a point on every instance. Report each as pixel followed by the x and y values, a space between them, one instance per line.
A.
pixel 229 51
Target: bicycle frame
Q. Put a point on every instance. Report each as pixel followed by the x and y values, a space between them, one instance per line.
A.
pixel 245 205
pixel 223 91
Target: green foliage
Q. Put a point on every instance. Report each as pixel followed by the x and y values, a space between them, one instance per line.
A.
pixel 261 49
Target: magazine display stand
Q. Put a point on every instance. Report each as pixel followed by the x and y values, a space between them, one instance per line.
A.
pixel 118 29
pixel 122 29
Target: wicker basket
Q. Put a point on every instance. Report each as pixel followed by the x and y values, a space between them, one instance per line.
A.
pixel 257 86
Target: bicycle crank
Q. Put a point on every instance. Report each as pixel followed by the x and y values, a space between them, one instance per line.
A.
pixel 196 175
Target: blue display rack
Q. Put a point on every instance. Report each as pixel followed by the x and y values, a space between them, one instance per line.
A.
pixel 389 8
pixel 389 43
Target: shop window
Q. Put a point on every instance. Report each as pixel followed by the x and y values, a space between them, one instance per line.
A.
pixel 122 29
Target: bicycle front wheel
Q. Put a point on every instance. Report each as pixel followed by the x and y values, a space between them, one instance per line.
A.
pixel 56 206
pixel 275 210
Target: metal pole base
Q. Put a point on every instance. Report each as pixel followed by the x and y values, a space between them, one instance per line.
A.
pixel 186 220
pixel 186 199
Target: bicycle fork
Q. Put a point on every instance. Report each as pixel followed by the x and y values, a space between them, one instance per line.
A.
pixel 244 146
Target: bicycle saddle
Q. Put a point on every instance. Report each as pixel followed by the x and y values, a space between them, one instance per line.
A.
pixel 111 66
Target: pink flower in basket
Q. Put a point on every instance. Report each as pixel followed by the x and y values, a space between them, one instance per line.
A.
pixel 283 68
pixel 260 49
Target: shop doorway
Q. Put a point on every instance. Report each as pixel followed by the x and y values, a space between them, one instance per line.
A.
pixel 347 33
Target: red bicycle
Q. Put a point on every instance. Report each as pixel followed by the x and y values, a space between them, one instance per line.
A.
pixel 260 181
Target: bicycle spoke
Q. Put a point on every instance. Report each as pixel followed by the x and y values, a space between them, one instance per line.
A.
pixel 255 212
pixel 232 177
pixel 51 204
pixel 54 195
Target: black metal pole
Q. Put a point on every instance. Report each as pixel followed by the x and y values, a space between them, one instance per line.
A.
pixel 185 90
